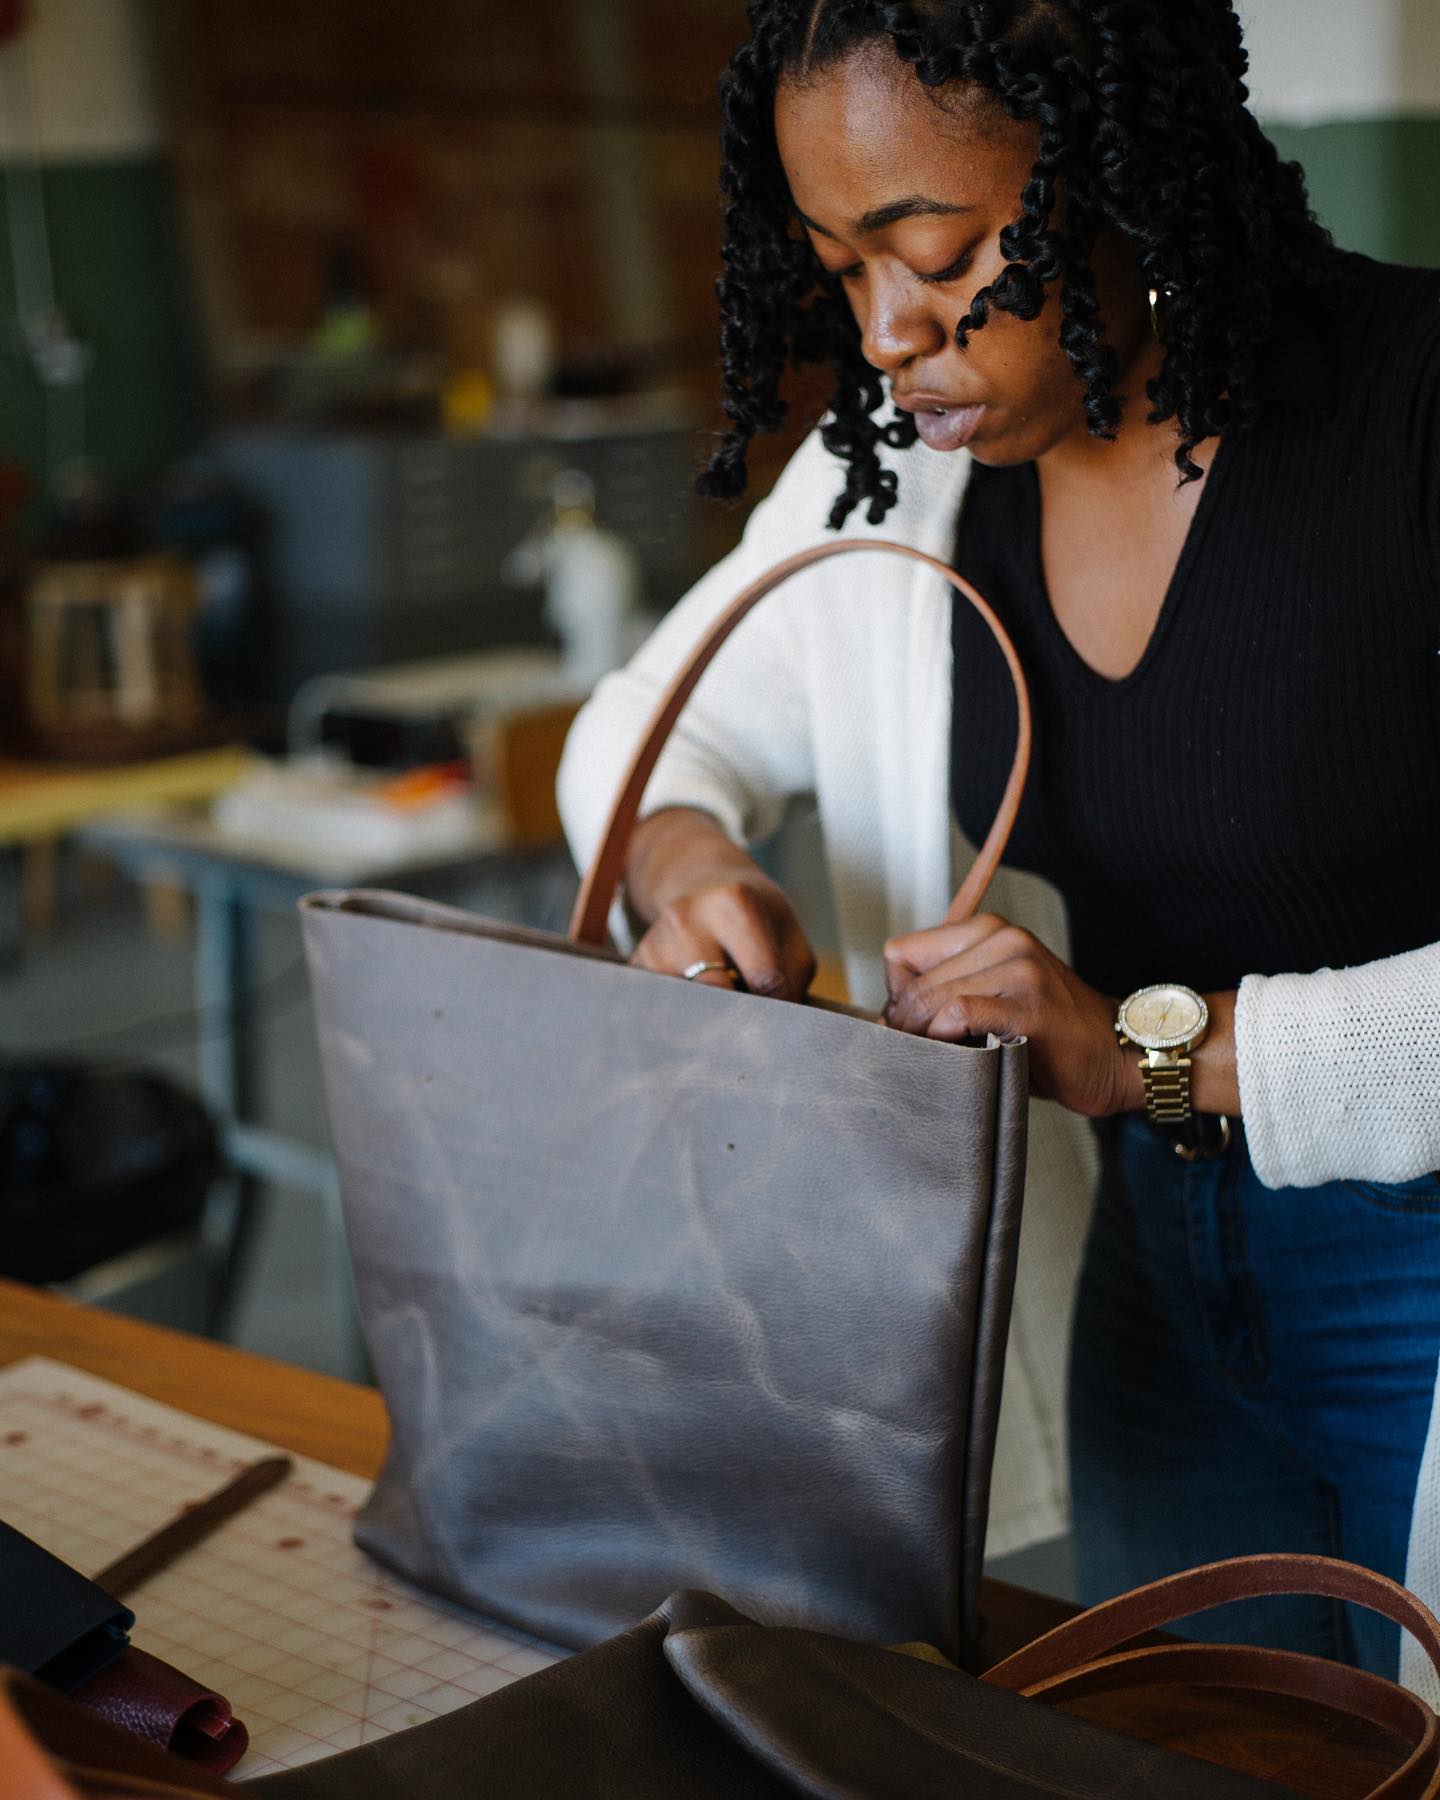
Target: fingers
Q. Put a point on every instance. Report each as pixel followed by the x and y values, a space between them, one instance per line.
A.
pixel 798 958
pixel 975 944
pixel 667 951
pixel 657 954
pixel 952 1005
pixel 725 976
pixel 759 943
pixel 974 1016
pixel 751 929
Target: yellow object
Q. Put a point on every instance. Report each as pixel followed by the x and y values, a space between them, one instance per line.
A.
pixel 45 800
pixel 467 400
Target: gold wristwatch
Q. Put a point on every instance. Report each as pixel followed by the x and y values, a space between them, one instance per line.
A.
pixel 1165 1023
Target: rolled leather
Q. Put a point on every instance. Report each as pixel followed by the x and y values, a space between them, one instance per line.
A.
pixel 159 1703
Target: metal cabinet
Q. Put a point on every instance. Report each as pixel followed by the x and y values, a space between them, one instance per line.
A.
pixel 388 546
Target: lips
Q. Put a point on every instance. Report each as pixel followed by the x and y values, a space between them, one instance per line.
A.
pixel 942 424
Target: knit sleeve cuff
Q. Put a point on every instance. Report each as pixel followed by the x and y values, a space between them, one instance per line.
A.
pixel 1339 1071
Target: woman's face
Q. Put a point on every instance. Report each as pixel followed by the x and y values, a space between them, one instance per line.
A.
pixel 904 196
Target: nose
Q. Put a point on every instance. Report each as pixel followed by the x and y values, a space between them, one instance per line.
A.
pixel 900 323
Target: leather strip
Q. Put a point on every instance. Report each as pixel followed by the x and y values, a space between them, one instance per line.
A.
pixel 1343 1689
pixel 1334 1684
pixel 588 923
pixel 1078 1657
pixel 1106 1627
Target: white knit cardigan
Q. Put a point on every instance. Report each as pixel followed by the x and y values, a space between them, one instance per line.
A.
pixel 840 686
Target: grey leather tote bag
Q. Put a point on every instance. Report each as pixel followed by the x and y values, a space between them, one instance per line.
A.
pixel 667 1285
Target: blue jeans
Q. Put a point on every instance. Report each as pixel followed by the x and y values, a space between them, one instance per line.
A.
pixel 1252 1369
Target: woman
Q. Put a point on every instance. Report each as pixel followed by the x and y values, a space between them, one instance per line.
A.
pixel 1089 343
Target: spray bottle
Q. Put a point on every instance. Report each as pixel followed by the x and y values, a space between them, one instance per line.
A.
pixel 591 576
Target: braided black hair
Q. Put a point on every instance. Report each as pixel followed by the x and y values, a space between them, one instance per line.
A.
pixel 1144 127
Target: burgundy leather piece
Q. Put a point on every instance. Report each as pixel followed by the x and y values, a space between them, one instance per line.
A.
pixel 94 1757
pixel 156 1702
pixel 589 923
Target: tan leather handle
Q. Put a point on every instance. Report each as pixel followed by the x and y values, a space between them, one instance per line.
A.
pixel 1355 1692
pixel 1080 1655
pixel 1245 1666
pixel 1106 1627
pixel 588 923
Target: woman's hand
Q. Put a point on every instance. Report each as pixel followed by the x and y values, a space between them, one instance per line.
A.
pixel 707 901
pixel 961 981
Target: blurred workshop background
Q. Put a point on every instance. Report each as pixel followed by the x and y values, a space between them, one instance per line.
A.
pixel 355 364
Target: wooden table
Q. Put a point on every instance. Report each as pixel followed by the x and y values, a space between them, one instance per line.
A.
pixel 313 1415
pixel 345 1425
pixel 41 802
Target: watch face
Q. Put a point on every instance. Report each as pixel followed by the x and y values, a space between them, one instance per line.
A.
pixel 1164 1016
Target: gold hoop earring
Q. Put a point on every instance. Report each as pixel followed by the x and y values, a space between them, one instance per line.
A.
pixel 1158 297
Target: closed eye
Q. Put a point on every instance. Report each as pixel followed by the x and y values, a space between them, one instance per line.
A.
pixel 952 272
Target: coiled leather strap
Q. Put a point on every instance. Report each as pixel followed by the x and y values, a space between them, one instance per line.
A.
pixel 1084 1655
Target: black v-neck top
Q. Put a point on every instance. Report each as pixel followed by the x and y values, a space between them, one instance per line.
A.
pixel 1262 792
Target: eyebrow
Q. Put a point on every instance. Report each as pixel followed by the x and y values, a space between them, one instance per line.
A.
pixel 913 206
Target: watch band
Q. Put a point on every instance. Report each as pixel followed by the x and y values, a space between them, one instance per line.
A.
pixel 1167 1086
